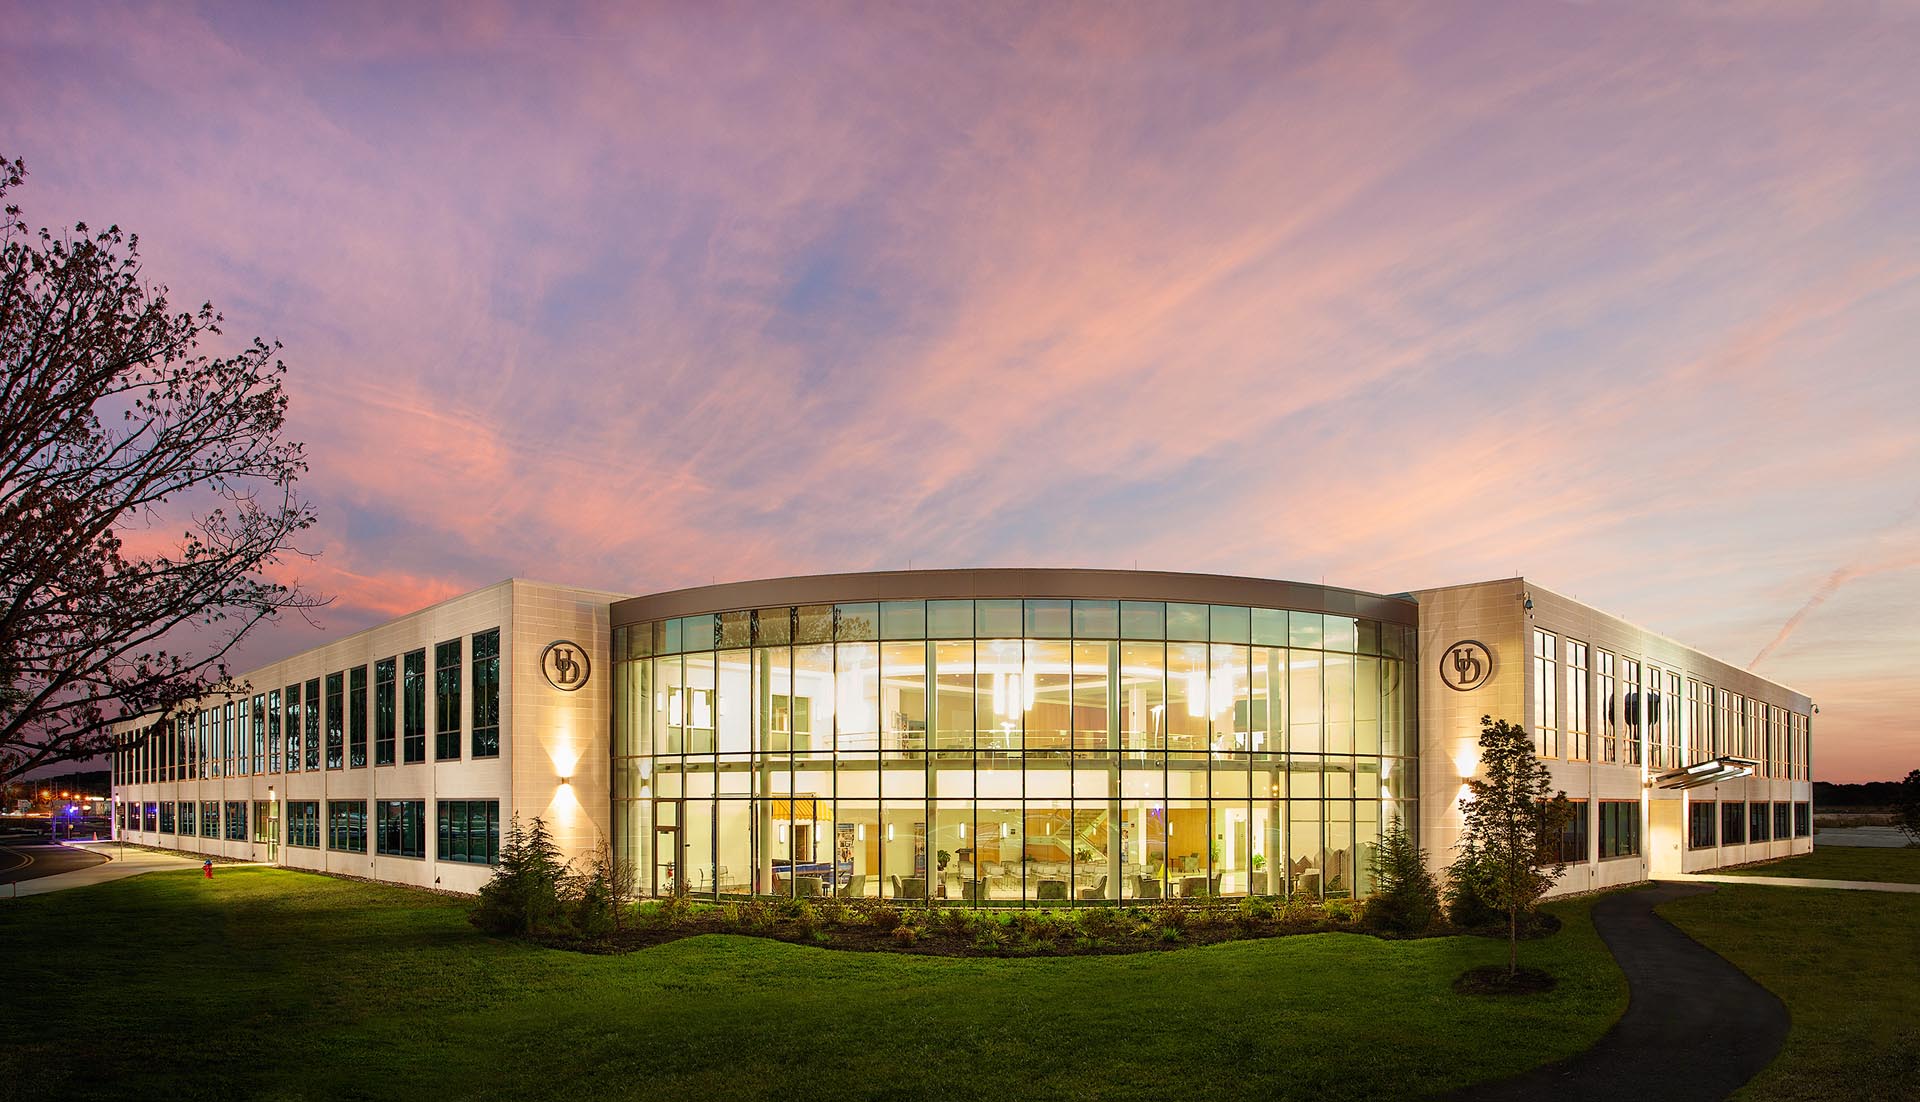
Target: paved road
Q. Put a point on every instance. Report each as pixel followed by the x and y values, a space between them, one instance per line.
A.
pixel 30 861
pixel 1696 1027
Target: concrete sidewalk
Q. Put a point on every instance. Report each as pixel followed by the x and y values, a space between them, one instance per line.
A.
pixel 115 867
pixel 1795 882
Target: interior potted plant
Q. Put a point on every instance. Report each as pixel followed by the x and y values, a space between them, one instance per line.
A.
pixel 941 857
pixel 1257 879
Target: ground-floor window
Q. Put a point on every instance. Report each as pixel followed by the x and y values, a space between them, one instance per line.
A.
pixel 995 850
pixel 1573 838
pixel 149 816
pixel 209 818
pixel 303 823
pixel 469 831
pixel 166 816
pixel 1783 820
pixel 1700 833
pixel 401 827
pixel 1619 828
pixel 1757 821
pixel 189 818
pixel 1802 820
pixel 236 820
pixel 1733 824
pixel 263 820
pixel 347 825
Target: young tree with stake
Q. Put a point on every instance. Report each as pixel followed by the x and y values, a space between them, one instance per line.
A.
pixel 1512 822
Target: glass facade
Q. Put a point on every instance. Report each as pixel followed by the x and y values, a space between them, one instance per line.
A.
pixel 1004 751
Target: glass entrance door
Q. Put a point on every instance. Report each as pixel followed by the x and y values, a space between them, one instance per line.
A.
pixel 669 846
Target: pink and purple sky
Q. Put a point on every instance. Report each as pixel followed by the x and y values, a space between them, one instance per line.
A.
pixel 1623 297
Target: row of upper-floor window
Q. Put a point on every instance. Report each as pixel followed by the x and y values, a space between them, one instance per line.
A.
pixel 1013 696
pixel 1031 618
pixel 1640 711
pixel 324 723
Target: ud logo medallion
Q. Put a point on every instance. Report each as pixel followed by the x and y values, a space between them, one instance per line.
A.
pixel 565 664
pixel 1466 665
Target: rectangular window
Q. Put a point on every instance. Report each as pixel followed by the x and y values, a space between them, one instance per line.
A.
pixel 1619 828
pixel 259 733
pixel 1635 708
pixel 273 731
pixel 1573 837
pixel 303 823
pixel 1546 676
pixel 1609 734
pixel 469 831
pixel 446 701
pixel 1700 833
pixel 166 816
pixel 400 825
pixel 189 823
pixel 310 723
pixel 1577 725
pixel 1670 719
pixel 347 825
pixel 1733 824
pixel 1802 820
pixel 413 696
pixel 1782 820
pixel 383 712
pixel 263 820
pixel 357 717
pixel 209 818
pixel 1656 720
pixel 336 721
pixel 486 694
pixel 236 820
pixel 1757 822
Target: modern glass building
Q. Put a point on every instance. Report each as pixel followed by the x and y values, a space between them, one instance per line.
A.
pixel 971 737
pixel 1001 736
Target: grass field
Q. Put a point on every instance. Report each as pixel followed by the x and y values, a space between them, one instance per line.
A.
pixel 1896 866
pixel 1846 965
pixel 276 984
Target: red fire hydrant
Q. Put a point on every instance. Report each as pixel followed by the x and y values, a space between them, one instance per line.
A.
pixel 207 868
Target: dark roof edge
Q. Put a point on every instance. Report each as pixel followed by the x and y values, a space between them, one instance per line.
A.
pixel 1126 585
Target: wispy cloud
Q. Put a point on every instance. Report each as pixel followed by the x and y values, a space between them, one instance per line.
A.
pixel 1622 296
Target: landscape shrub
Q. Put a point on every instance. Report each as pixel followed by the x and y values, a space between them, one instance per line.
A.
pixel 1405 898
pixel 905 936
pixel 885 917
pixel 526 894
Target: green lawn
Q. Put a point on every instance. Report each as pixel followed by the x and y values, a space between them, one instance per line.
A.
pixel 1846 965
pixel 1897 866
pixel 275 984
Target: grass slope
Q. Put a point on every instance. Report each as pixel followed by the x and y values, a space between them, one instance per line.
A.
pixel 1892 866
pixel 276 984
pixel 1845 964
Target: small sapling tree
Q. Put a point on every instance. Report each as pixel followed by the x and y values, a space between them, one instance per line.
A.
pixel 1512 821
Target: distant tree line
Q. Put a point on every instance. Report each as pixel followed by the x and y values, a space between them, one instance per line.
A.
pixel 1871 794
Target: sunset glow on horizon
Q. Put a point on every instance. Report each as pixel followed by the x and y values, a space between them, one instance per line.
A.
pixel 1623 298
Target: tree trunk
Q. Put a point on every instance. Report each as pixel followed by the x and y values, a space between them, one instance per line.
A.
pixel 1513 942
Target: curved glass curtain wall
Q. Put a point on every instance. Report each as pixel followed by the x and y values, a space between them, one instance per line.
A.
pixel 1000 751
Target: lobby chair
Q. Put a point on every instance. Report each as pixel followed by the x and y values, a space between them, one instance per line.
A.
pixel 1098 891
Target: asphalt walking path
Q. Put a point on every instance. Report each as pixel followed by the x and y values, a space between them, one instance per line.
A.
pixel 111 866
pixel 1696 1027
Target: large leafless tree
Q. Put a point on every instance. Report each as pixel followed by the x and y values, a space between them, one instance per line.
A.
pixel 145 493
